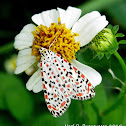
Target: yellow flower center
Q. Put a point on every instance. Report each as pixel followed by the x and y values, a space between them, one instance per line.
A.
pixel 57 38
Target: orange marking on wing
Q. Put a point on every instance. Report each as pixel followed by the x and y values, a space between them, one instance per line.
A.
pixel 55 96
pixel 40 64
pixel 75 68
pixel 77 83
pixel 54 108
pixel 71 92
pixel 42 73
pixel 62 104
pixel 68 86
pixel 52 86
pixel 79 94
pixel 46 96
pixel 59 69
pixel 82 75
pixel 66 95
pixel 70 76
pixel 64 69
pixel 44 86
pixel 57 80
pixel 61 89
pixel 49 106
pixel 88 88
pixel 63 77
pixel 58 55
pixel 65 60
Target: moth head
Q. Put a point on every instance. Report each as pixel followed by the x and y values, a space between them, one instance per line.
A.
pixel 42 50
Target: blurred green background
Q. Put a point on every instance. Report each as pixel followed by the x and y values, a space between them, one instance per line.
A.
pixel 19 107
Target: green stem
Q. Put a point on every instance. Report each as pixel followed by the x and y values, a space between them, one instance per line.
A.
pixel 122 63
pixel 123 92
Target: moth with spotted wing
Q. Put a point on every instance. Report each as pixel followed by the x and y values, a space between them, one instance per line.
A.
pixel 62 82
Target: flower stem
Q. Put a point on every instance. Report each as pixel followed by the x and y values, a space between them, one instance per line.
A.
pixel 122 63
pixel 123 92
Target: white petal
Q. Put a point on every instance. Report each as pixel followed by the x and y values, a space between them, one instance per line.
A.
pixel 89 26
pixel 38 87
pixel 84 21
pixel 37 19
pixel 70 16
pixel 25 38
pixel 28 28
pixel 24 60
pixel 61 13
pixel 46 17
pixel 93 76
pixel 35 82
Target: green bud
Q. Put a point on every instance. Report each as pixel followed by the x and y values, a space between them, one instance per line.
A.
pixel 104 43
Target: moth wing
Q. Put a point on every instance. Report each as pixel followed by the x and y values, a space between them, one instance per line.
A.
pixel 76 84
pixel 56 99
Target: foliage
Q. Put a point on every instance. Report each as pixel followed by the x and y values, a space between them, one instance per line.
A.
pixel 20 107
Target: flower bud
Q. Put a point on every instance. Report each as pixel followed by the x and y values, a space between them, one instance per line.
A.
pixel 10 64
pixel 104 43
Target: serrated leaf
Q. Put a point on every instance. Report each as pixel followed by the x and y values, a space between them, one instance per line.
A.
pixel 119 35
pixel 108 55
pixel 110 26
pixel 100 55
pixel 115 29
pixel 122 42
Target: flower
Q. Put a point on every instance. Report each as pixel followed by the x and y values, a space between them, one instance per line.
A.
pixel 69 33
pixel 10 64
pixel 104 43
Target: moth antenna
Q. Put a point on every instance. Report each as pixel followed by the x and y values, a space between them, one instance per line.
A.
pixel 52 43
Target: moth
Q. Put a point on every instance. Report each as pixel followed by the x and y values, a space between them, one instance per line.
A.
pixel 62 82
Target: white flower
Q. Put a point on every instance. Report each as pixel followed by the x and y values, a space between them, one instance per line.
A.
pixel 87 26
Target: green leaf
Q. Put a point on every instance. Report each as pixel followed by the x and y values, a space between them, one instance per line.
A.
pixel 115 116
pixel 100 55
pixel 119 35
pixel 100 98
pixel 15 97
pixel 46 119
pixel 110 26
pixel 115 29
pixel 90 113
pixel 76 112
pixel 108 55
pixel 124 112
pixel 122 42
